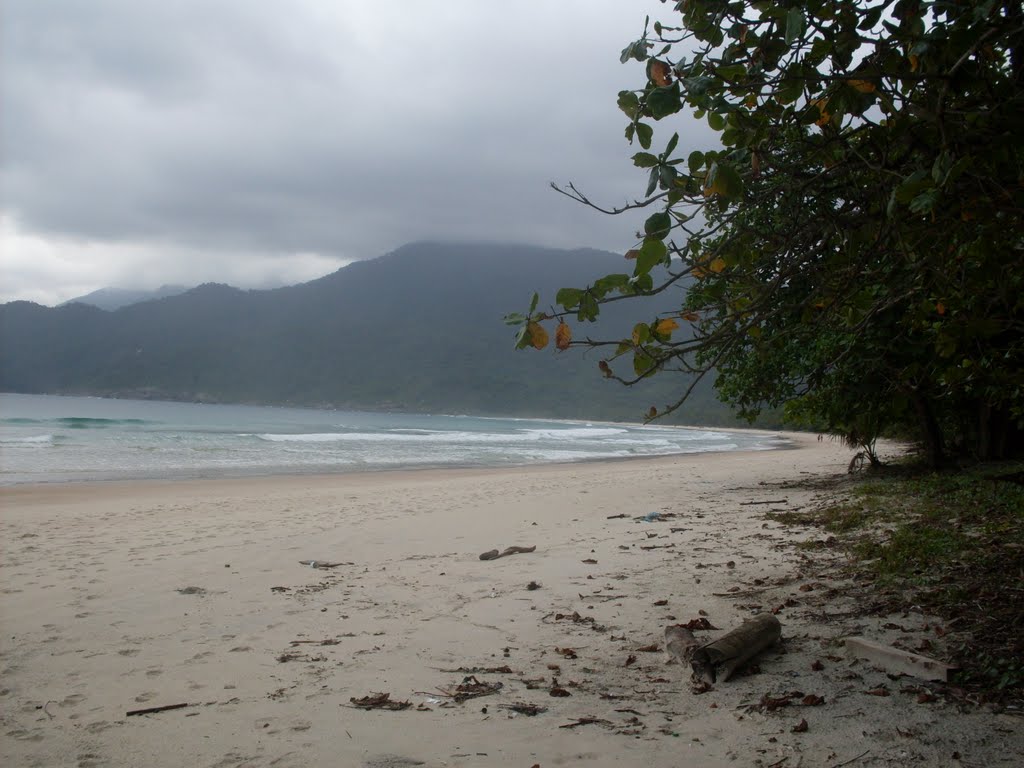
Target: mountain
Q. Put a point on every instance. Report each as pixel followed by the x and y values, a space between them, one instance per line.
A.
pixel 115 298
pixel 419 329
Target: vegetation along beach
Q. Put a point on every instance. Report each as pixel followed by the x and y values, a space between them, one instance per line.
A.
pixel 334 433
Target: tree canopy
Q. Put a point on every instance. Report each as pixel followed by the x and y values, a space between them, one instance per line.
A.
pixel 851 245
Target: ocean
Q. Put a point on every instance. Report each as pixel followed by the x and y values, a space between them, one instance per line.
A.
pixel 46 438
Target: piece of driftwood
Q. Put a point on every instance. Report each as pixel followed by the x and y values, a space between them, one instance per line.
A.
pixel 899 662
pixel 320 564
pixel 152 710
pixel 770 501
pixel 680 643
pixel 718 661
pixel 495 554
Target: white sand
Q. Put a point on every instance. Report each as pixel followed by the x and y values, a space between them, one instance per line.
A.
pixel 94 625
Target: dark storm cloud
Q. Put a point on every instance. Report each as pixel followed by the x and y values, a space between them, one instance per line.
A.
pixel 239 130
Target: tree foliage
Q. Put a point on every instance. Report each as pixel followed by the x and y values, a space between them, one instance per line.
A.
pixel 852 244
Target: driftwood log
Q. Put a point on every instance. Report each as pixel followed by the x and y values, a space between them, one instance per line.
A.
pixel 898 661
pixel 680 643
pixel 719 660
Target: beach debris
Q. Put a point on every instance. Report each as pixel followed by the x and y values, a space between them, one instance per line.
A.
pixel 589 561
pixel 198 591
pixel 719 660
pixel 379 701
pixel 153 710
pixel 505 669
pixel 898 662
pixel 586 721
pixel 328 641
pixel 471 688
pixel 770 501
pixel 651 648
pixel 568 653
pixel 533 585
pixel 575 618
pixel 495 554
pixel 557 691
pixel 280 589
pixel 522 708
pixel 321 564
pixel 284 658
pixel 800 727
pixel 616 517
pixel 651 517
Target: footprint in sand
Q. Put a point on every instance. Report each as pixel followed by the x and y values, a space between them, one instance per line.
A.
pixel 128 652
pixel 144 697
pixel 155 672
pixel 73 700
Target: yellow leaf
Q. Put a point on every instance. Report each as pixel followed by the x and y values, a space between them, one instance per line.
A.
pixel 914 62
pixel 661 73
pixel 690 317
pixel 717 265
pixel 666 326
pixel 699 272
pixel 605 368
pixel 538 336
pixel 863 86
pixel 652 412
pixel 825 114
pixel 632 253
pixel 563 335
pixel 940 308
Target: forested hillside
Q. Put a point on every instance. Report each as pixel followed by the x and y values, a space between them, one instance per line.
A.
pixel 419 329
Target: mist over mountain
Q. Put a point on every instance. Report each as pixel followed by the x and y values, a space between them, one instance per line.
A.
pixel 115 298
pixel 419 329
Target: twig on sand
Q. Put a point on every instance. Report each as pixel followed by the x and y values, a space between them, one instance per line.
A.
pixel 770 501
pixel 152 710
pixel 852 759
pixel 585 721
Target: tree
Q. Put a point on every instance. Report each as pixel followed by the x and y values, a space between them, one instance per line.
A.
pixel 852 249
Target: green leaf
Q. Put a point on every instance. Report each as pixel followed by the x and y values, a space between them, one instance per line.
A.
pixel 515 318
pixel 658 225
pixel 533 302
pixel 664 101
pixel 671 145
pixel 644 134
pixel 652 182
pixel 616 282
pixel 696 161
pixel 716 120
pixel 794 24
pixel 568 297
pixel 645 160
pixel 723 181
pixel 629 103
pixel 652 253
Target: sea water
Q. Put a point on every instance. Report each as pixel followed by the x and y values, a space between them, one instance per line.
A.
pixel 53 439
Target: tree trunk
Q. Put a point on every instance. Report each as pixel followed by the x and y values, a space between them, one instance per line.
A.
pixel 931 432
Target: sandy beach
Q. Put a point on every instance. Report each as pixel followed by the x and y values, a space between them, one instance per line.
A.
pixel 125 596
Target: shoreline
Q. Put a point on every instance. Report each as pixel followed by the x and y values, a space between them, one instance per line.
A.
pixel 790 440
pixel 125 596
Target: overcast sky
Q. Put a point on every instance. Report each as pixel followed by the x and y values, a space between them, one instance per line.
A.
pixel 261 142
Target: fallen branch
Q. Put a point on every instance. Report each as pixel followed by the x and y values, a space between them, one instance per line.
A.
pixel 152 710
pixel 495 554
pixel 771 501
pixel 380 701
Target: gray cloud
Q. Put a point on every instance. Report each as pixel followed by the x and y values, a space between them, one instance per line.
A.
pixel 157 140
